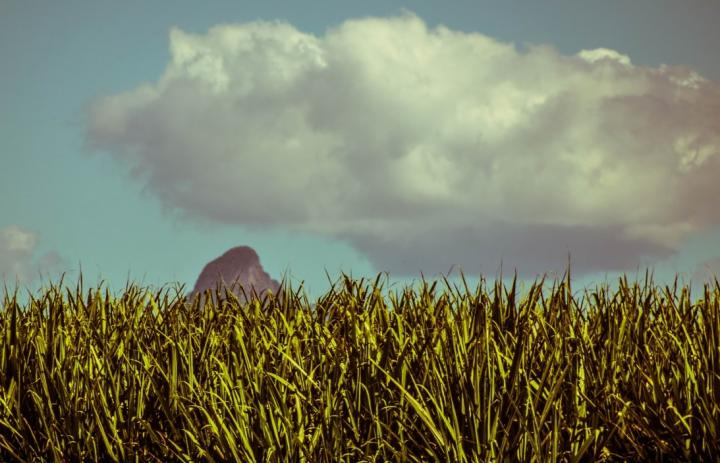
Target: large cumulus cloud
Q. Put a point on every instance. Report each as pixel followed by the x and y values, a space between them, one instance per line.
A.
pixel 19 262
pixel 423 147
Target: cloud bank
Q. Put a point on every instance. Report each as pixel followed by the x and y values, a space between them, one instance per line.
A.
pixel 18 262
pixel 425 147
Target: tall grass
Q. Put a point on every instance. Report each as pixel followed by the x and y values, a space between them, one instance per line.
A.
pixel 441 373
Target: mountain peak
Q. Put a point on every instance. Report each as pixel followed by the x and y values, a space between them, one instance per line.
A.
pixel 239 266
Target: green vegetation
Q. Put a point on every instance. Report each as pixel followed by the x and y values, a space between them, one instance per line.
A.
pixel 440 373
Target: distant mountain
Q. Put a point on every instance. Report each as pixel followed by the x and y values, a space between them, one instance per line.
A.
pixel 240 266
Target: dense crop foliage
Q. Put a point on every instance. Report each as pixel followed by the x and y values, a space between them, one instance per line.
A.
pixel 440 373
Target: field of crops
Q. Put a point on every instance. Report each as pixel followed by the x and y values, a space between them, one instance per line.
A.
pixel 441 373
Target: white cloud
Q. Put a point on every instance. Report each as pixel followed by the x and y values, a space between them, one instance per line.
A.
pixel 599 54
pixel 17 256
pixel 418 145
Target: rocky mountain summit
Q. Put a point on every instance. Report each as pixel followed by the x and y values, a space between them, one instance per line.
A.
pixel 240 266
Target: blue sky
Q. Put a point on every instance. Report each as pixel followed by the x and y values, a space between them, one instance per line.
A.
pixel 358 137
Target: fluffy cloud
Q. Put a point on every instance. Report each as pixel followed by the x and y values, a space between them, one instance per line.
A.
pixel 425 147
pixel 17 256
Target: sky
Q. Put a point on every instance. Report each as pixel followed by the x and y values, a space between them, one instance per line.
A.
pixel 139 140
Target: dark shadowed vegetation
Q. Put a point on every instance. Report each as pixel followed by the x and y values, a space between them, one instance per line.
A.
pixel 439 373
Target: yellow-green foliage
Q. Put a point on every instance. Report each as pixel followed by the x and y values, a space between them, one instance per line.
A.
pixel 439 373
